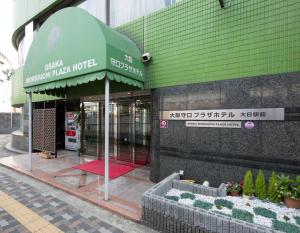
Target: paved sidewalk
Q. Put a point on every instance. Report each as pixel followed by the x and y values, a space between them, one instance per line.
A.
pixel 125 192
pixel 65 211
pixel 5 139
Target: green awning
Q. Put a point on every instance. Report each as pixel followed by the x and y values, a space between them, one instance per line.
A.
pixel 74 48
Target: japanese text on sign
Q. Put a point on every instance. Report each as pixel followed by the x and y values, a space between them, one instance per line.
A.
pixel 275 114
pixel 124 66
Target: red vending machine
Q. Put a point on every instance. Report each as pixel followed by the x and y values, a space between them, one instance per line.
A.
pixel 72 137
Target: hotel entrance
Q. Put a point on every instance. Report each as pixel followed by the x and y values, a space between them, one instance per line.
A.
pixel 129 130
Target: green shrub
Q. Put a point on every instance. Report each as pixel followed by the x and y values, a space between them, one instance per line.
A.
pixel 242 215
pixel 297 218
pixel 260 187
pixel 203 204
pixel 264 212
pixel 272 190
pixel 285 227
pixel 173 198
pixel 248 184
pixel 225 203
pixel 187 196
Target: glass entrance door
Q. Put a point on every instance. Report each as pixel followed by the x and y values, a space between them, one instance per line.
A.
pixel 142 132
pixel 129 130
pixel 125 131
pixel 91 128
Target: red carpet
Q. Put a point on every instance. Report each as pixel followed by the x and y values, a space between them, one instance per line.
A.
pixel 97 167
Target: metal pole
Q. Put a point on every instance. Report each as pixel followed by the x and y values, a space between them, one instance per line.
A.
pixel 30 130
pixel 107 12
pixel 98 129
pixel 11 115
pixel 106 150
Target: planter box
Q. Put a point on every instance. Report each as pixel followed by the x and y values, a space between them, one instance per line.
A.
pixel 169 216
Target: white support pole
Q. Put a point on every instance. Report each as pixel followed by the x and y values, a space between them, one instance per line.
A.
pixel 30 130
pixel 106 144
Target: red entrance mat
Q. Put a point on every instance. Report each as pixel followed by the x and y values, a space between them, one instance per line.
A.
pixel 97 167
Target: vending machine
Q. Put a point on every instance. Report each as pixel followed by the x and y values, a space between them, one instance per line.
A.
pixel 72 136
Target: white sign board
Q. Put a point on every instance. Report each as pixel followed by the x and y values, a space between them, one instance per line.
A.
pixel 214 124
pixel 260 114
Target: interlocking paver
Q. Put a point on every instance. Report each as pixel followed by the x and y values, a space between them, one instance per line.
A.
pixel 63 216
pixel 34 191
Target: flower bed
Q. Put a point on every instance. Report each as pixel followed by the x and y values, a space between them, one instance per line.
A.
pixel 275 216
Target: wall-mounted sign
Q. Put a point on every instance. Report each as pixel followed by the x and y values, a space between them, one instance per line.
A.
pixel 214 124
pixel 163 124
pixel 249 125
pixel 259 114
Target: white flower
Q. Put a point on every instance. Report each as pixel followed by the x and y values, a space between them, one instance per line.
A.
pixel 206 183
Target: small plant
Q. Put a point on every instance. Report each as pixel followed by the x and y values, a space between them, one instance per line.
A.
pixel 203 204
pixel 187 196
pixel 173 198
pixel 260 187
pixel 242 215
pixel 272 191
pixel 248 184
pixel 224 203
pixel 288 188
pixel 264 212
pixel 219 207
pixel 285 227
pixel 233 188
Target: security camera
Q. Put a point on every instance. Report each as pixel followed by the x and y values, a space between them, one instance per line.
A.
pixel 146 57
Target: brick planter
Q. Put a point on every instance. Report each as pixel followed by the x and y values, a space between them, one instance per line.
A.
pixel 169 216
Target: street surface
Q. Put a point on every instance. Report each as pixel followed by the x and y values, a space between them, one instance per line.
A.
pixel 27 205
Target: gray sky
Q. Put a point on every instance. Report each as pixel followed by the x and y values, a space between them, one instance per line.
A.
pixel 6 22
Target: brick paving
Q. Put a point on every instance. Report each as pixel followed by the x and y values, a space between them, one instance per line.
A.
pixel 67 212
pixel 9 224
pixel 64 216
pixel 125 192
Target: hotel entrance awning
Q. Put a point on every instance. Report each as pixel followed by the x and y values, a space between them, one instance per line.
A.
pixel 73 48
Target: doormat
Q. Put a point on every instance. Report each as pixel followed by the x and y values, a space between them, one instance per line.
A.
pixel 97 167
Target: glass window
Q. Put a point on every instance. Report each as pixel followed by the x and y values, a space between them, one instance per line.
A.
pixel 124 11
pixel 95 8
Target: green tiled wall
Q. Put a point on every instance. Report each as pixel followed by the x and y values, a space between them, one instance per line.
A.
pixel 18 96
pixel 197 41
pixel 135 31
